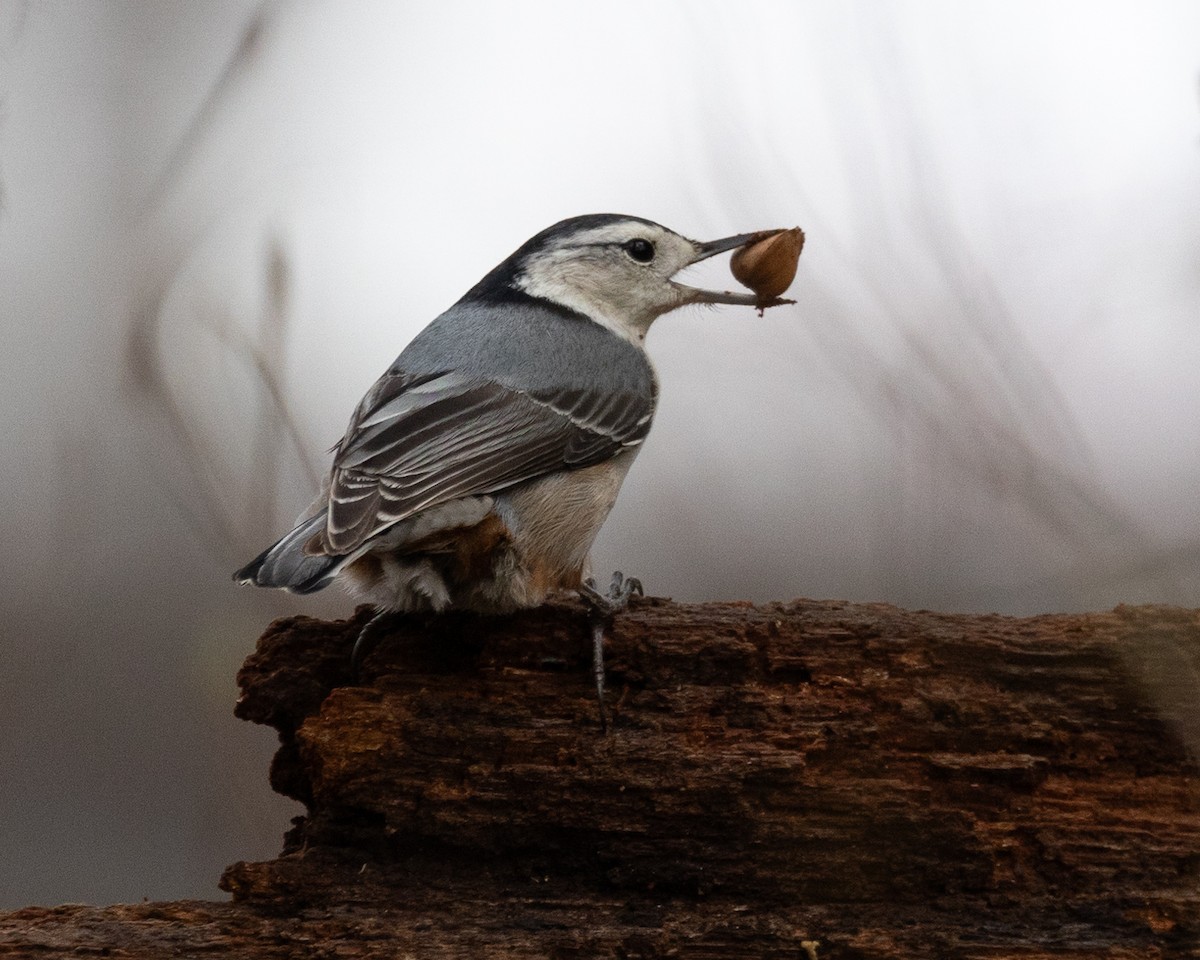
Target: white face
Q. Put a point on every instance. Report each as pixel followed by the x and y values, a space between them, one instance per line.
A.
pixel 618 274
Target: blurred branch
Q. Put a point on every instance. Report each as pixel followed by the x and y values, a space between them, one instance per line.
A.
pixel 204 505
pixel 244 57
pixel 267 359
pixel 207 504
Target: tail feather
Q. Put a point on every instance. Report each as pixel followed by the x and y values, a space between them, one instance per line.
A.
pixel 287 566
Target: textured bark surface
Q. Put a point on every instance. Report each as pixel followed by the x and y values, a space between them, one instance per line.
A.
pixel 793 780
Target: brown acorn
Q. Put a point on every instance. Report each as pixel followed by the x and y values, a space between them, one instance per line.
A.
pixel 768 265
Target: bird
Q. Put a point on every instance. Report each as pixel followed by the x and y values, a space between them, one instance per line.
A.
pixel 475 474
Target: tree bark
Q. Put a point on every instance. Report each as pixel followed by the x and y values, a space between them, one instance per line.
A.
pixel 812 779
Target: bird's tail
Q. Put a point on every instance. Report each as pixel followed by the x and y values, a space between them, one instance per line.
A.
pixel 287 566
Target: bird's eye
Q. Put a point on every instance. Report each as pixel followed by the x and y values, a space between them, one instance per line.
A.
pixel 641 250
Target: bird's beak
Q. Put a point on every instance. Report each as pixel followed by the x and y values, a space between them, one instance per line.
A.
pixel 711 249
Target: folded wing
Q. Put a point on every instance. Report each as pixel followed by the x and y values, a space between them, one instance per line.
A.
pixel 415 442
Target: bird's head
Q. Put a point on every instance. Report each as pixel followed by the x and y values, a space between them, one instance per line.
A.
pixel 615 269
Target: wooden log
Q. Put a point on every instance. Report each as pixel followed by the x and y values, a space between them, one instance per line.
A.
pixel 813 779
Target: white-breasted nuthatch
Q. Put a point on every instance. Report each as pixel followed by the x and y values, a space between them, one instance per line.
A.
pixel 477 471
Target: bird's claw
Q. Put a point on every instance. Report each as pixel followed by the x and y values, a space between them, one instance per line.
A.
pixel 366 641
pixel 604 606
pixel 620 589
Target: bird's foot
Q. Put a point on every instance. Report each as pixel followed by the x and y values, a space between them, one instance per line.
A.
pixel 616 599
pixel 367 639
pixel 604 606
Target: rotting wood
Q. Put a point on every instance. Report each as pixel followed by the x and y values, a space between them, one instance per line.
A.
pixel 814 777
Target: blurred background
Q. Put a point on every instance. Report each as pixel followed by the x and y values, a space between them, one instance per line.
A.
pixel 220 220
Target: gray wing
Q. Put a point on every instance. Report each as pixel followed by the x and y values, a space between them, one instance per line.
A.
pixel 417 441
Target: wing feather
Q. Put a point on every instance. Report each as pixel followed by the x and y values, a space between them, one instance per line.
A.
pixel 417 442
